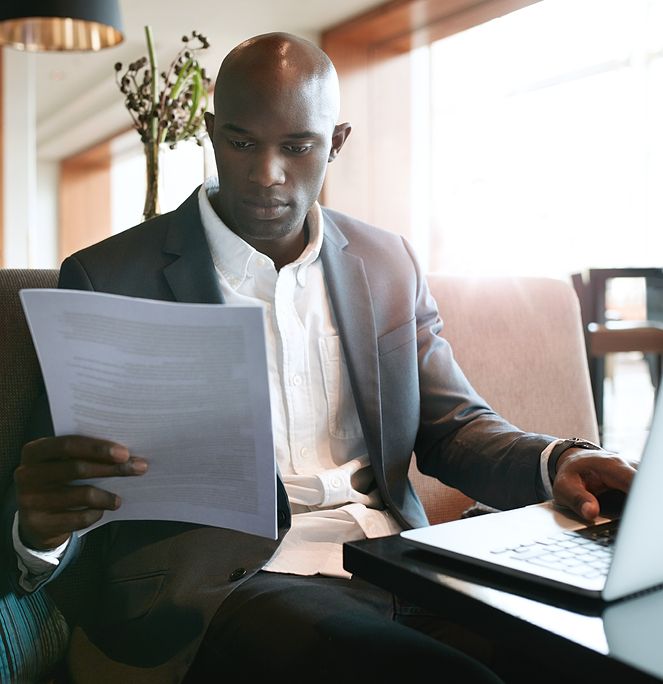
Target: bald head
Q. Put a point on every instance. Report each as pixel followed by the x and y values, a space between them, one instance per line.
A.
pixel 278 61
pixel 274 131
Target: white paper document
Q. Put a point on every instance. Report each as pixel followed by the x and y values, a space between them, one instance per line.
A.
pixel 183 385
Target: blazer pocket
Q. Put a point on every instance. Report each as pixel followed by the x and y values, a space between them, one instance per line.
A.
pixel 132 598
pixel 398 337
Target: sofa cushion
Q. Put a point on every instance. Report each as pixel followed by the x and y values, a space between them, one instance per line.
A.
pixel 33 637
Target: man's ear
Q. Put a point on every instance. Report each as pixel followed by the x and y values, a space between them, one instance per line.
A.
pixel 340 135
pixel 209 124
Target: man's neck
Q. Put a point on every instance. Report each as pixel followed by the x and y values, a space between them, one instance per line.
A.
pixel 281 252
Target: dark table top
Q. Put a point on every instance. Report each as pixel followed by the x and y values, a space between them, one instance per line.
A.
pixel 622 639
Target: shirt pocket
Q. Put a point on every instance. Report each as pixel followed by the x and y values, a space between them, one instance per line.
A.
pixel 342 415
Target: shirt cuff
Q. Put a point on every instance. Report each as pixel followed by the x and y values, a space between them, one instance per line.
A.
pixel 545 477
pixel 35 566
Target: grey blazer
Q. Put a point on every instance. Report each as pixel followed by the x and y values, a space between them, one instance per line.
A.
pixel 158 584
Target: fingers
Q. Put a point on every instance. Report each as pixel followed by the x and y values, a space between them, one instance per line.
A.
pixel 583 475
pixel 68 470
pixel 570 490
pixel 73 520
pixel 74 447
pixel 50 504
pixel 46 520
pixel 588 507
pixel 56 460
pixel 76 497
pixel 614 471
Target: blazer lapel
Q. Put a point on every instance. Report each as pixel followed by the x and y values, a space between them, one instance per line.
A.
pixel 192 276
pixel 352 305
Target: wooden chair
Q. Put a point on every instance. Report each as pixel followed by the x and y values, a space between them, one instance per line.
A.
pixel 604 337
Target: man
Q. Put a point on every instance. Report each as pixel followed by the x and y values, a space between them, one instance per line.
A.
pixel 359 379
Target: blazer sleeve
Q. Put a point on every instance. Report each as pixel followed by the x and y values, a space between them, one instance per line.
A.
pixel 461 440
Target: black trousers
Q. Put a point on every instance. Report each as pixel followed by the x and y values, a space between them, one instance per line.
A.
pixel 278 627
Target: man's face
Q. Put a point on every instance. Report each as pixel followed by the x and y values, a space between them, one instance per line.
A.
pixel 272 145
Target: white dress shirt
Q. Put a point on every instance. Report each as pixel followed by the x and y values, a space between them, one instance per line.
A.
pixel 320 450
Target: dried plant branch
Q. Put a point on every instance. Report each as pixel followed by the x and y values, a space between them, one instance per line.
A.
pixel 167 107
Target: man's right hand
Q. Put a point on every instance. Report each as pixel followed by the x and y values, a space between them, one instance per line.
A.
pixel 50 504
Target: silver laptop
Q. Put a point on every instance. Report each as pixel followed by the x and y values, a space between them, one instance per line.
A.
pixel 610 559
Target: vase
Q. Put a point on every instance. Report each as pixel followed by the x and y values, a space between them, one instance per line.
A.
pixel 152 154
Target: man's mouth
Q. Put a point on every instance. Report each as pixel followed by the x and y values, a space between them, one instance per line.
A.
pixel 266 210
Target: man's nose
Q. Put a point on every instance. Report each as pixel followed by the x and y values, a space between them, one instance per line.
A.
pixel 267 170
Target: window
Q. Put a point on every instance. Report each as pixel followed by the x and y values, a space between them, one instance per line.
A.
pixel 527 144
pixel 546 152
pixel 181 170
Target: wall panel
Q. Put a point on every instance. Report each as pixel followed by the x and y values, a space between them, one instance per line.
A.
pixel 85 199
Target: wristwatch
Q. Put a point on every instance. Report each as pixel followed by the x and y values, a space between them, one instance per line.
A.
pixel 561 447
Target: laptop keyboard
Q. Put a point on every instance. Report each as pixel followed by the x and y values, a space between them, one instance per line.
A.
pixel 586 552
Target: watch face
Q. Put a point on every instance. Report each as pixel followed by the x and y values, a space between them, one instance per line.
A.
pixel 585 444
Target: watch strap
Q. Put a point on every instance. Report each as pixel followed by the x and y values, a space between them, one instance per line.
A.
pixel 564 445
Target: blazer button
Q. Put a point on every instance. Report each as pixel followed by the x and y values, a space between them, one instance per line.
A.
pixel 236 574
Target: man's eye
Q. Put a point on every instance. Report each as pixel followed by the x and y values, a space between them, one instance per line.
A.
pixel 298 149
pixel 240 144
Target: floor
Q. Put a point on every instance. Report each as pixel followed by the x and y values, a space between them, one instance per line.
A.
pixel 628 404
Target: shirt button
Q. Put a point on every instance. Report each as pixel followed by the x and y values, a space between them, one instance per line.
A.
pixel 335 482
pixel 304 452
pixel 296 380
pixel 261 262
pixel 236 574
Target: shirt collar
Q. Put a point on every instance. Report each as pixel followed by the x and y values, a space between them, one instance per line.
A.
pixel 232 256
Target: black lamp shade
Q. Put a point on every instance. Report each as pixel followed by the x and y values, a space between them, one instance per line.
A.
pixel 60 24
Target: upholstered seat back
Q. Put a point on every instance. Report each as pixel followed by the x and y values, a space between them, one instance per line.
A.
pixel 33 634
pixel 20 379
pixel 520 342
